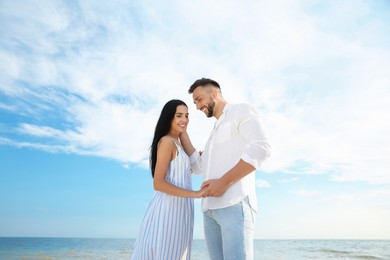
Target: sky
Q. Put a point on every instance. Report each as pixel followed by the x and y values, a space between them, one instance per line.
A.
pixel 82 84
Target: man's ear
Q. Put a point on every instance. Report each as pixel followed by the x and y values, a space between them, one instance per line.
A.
pixel 214 93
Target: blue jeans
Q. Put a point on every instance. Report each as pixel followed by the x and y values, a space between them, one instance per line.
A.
pixel 229 231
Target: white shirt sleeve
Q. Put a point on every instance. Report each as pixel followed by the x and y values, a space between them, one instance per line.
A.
pixel 196 163
pixel 252 129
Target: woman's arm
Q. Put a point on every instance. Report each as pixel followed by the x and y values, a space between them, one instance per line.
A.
pixel 186 143
pixel 196 165
pixel 166 152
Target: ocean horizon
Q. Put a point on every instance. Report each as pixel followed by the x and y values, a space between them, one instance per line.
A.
pixel 41 248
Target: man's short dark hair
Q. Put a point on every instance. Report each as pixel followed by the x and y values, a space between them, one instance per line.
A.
pixel 203 82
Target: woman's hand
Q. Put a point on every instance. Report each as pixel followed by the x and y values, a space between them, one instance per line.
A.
pixel 200 193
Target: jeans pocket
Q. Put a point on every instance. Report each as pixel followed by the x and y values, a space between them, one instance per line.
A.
pixel 251 210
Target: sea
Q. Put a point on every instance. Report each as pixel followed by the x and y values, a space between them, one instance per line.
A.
pixel 118 249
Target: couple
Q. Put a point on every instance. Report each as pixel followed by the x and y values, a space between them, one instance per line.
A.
pixel 235 149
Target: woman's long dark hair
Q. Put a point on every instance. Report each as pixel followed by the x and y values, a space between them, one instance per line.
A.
pixel 162 128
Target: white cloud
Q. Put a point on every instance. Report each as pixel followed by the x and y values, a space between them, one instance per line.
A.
pixel 288 180
pixel 43 147
pixel 7 107
pixel 262 184
pixel 305 193
pixel 324 92
pixel 360 196
pixel 43 131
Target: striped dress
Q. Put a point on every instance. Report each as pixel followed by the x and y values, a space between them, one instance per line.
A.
pixel 167 228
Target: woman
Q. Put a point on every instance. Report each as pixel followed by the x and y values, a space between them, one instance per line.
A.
pixel 166 230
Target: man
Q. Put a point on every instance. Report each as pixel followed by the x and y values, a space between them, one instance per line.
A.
pixel 236 147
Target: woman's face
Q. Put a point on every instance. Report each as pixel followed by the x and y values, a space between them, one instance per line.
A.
pixel 180 119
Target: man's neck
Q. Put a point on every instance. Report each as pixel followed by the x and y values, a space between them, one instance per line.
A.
pixel 220 108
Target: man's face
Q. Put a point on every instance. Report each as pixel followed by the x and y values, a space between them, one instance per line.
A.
pixel 203 100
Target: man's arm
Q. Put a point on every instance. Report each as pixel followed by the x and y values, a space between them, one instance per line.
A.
pixel 217 187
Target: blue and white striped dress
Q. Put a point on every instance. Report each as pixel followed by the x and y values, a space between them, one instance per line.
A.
pixel 167 228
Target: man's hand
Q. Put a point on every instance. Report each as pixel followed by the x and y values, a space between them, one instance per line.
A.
pixel 214 188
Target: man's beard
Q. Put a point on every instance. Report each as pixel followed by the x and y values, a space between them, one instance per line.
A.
pixel 210 108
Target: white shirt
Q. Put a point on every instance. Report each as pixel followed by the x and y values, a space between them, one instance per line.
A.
pixel 238 134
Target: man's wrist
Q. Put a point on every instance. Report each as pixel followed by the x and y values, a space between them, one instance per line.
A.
pixel 226 183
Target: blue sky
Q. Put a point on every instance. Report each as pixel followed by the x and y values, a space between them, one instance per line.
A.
pixel 83 82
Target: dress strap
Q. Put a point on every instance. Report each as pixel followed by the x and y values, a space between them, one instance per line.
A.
pixel 176 144
pixel 174 141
